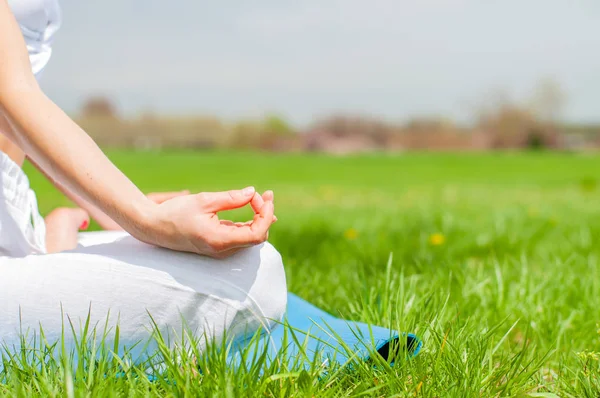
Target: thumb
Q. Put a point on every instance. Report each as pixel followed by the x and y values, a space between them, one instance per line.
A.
pixel 227 200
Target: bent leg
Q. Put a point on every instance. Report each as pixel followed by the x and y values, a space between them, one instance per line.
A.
pixel 125 281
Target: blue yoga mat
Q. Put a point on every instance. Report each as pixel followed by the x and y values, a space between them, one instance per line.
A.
pixel 310 335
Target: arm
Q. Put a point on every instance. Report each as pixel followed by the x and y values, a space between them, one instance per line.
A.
pixel 109 224
pixel 95 213
pixel 47 135
pixel 105 222
pixel 71 158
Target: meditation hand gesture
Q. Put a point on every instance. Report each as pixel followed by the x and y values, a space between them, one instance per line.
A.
pixel 190 222
pixel 73 161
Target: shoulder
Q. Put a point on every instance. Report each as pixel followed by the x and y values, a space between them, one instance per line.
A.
pixel 30 13
pixel 38 21
pixel 35 16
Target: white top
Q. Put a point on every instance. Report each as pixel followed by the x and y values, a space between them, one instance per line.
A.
pixel 39 20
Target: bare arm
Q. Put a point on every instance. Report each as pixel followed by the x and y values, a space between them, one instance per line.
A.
pixel 101 218
pixel 105 222
pixel 71 158
pixel 48 136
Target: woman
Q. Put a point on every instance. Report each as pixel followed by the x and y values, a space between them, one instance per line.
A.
pixel 218 278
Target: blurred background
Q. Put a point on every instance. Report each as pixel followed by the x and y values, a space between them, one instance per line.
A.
pixel 433 161
pixel 332 76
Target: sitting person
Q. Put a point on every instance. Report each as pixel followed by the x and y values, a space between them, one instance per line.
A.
pixel 174 259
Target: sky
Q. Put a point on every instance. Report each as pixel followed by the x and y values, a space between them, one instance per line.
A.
pixel 306 59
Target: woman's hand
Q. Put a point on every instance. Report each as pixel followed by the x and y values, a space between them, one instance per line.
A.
pixel 190 223
pixel 57 145
pixel 108 224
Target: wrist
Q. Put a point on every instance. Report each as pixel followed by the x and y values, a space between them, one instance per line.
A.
pixel 143 220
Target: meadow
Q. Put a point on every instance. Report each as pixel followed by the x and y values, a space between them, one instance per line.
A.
pixel 492 259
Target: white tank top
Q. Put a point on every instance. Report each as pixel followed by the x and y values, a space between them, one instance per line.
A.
pixel 39 20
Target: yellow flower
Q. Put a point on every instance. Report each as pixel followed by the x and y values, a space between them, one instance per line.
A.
pixel 588 355
pixel 351 234
pixel 437 239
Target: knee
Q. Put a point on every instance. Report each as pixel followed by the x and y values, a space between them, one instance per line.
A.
pixel 269 292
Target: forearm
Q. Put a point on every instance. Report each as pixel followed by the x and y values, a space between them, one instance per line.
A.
pixel 95 213
pixel 71 158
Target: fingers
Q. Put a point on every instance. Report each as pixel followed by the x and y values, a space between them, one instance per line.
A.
pixel 256 232
pixel 258 201
pixel 160 197
pixel 235 224
pixel 268 196
pixel 235 236
pixel 264 219
pixel 228 200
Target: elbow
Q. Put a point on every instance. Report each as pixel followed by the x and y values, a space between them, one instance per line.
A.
pixel 17 94
pixel 19 104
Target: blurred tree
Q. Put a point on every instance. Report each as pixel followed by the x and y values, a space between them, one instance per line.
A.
pixel 514 126
pixel 246 135
pixel 277 126
pixel 270 133
pixel 98 107
pixel 532 125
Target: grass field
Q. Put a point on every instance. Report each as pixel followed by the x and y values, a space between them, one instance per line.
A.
pixel 495 264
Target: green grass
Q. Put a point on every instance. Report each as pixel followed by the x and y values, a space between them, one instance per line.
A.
pixel 507 302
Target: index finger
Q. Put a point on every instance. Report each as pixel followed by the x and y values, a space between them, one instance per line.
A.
pixel 258 201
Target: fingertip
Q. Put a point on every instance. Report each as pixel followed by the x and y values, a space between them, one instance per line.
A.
pixel 249 191
pixel 268 195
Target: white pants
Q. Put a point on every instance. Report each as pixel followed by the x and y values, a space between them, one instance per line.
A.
pixel 114 278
